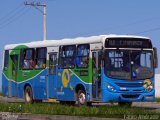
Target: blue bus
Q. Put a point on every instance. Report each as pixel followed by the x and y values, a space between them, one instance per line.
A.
pixel 117 68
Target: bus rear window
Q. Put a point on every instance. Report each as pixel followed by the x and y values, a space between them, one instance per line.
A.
pixel 6 56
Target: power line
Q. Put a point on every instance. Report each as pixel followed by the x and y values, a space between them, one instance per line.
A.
pixel 18 16
pixel 12 16
pixel 11 12
pixel 149 30
pixel 8 18
pixel 37 5
pixel 134 23
pixel 139 22
pixel 142 21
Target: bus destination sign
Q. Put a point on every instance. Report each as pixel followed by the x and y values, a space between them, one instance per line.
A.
pixel 127 43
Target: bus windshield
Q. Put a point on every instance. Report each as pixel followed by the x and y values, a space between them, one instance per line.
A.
pixel 128 64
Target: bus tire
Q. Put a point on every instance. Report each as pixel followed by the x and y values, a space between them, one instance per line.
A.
pixel 28 94
pixel 128 104
pixel 81 98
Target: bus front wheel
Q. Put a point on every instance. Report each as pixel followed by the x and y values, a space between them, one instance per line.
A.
pixel 81 98
pixel 28 95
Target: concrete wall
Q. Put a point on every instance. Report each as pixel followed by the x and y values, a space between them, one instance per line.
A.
pixel 157 85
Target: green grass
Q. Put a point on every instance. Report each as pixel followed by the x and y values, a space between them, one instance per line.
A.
pixel 1 94
pixel 107 111
pixel 157 100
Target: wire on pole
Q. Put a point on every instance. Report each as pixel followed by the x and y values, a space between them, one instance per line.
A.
pixel 36 5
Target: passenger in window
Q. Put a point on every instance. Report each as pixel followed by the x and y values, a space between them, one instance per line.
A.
pixel 71 62
pixel 25 61
pixel 25 64
pixel 41 64
pixel 77 62
pixel 85 53
pixel 32 63
pixel 85 62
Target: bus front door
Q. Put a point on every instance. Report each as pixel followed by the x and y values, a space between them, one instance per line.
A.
pixel 96 78
pixel 52 79
pixel 13 90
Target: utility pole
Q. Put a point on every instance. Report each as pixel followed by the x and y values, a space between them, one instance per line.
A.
pixel 37 5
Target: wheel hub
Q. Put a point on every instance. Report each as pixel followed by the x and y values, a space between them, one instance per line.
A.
pixel 28 98
pixel 82 98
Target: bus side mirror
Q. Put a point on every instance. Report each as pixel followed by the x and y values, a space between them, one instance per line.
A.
pixel 155 57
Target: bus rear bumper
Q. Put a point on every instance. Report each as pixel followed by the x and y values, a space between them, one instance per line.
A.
pixel 128 97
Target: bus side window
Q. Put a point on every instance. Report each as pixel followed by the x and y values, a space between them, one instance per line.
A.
pixel 82 58
pixel 41 58
pixel 6 58
pixel 67 56
pixel 28 58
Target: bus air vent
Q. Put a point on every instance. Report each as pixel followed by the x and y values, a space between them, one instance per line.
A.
pixel 129 84
pixel 130 96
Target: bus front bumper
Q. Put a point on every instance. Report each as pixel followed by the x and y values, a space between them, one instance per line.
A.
pixel 128 97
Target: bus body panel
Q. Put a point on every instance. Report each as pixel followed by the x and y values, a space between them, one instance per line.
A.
pixel 5 85
pixel 37 83
pixel 51 86
pixel 67 81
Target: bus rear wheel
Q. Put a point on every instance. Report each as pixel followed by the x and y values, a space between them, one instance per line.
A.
pixel 28 95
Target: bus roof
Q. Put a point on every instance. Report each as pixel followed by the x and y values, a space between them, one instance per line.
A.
pixel 71 41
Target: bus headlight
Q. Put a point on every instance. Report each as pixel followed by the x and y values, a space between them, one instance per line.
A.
pixel 110 87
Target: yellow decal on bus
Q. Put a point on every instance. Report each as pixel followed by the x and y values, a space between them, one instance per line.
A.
pixel 66 77
pixel 147 84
